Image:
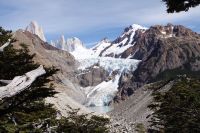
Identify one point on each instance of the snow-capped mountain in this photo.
(106, 55)
(100, 46)
(122, 43)
(34, 28)
(104, 48)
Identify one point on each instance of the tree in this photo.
(177, 110)
(82, 123)
(26, 110)
(180, 5)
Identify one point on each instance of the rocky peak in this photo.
(74, 44)
(105, 40)
(34, 28)
(70, 45)
(62, 42)
(171, 30)
(132, 29)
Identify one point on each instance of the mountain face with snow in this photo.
(113, 71)
(121, 44)
(164, 51)
(104, 55)
(35, 29)
(136, 57)
(104, 48)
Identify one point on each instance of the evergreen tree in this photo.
(177, 110)
(26, 110)
(180, 5)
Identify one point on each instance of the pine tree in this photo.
(27, 109)
(177, 110)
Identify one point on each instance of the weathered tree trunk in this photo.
(5, 45)
(21, 83)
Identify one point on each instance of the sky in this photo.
(91, 20)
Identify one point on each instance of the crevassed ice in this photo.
(103, 93)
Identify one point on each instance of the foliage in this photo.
(177, 110)
(180, 5)
(82, 123)
(139, 128)
(25, 110)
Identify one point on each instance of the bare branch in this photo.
(5, 45)
(21, 83)
(5, 81)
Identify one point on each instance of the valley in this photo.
(113, 78)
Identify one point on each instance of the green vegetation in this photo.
(27, 111)
(82, 123)
(180, 5)
(177, 110)
(139, 128)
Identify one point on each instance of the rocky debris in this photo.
(134, 110)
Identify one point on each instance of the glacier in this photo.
(110, 64)
(103, 93)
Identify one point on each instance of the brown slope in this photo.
(64, 80)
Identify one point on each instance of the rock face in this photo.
(92, 77)
(161, 48)
(34, 28)
(70, 45)
(165, 47)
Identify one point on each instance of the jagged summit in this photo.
(70, 45)
(74, 44)
(34, 28)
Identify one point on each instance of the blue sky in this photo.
(91, 20)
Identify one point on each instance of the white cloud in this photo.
(72, 16)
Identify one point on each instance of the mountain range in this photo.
(115, 73)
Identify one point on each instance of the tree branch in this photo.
(5, 45)
(5, 81)
(21, 83)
